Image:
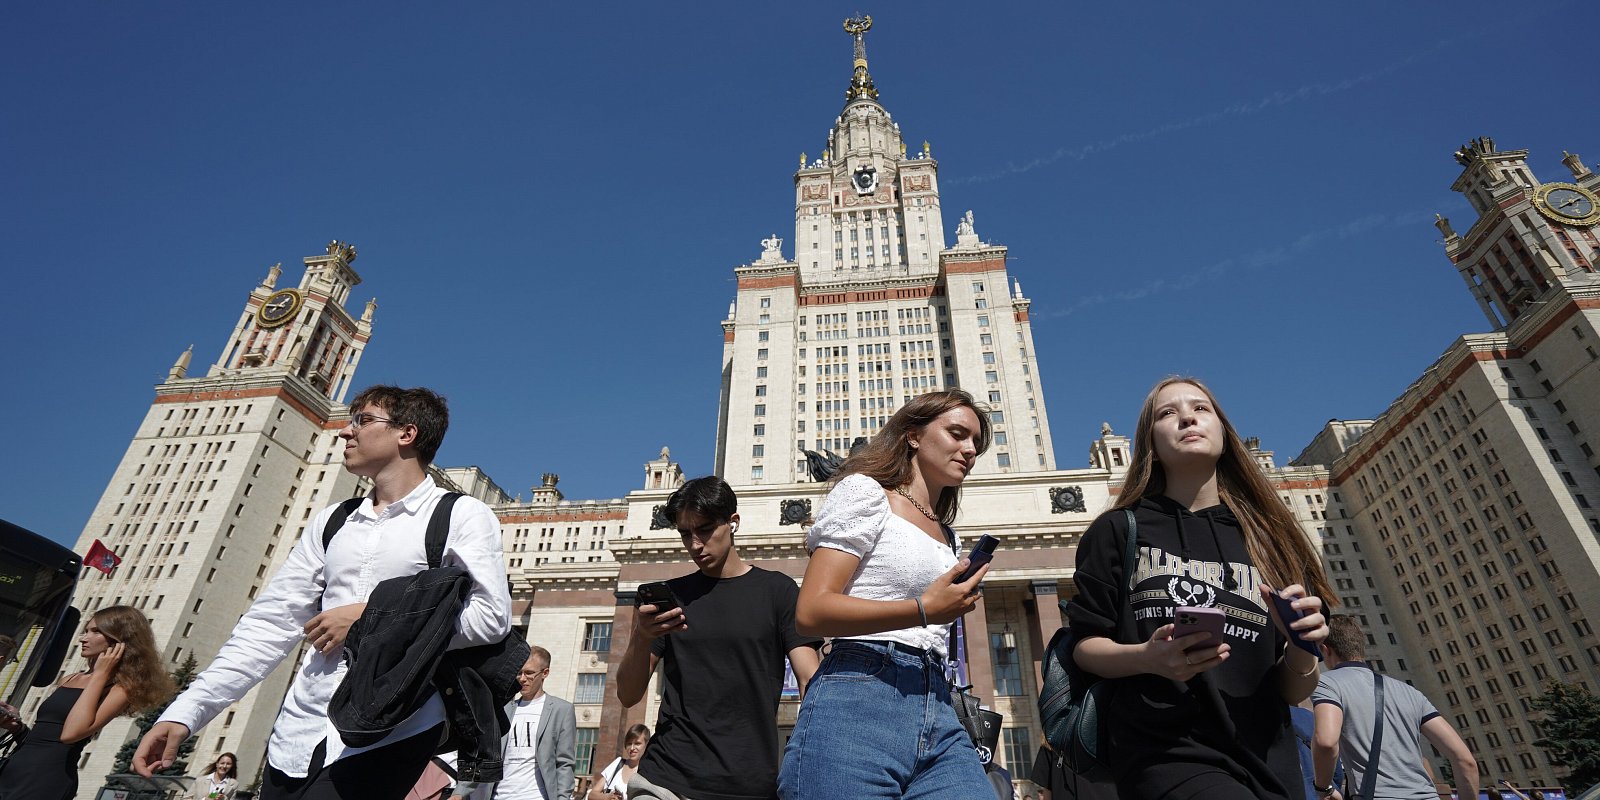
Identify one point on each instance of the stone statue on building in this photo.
(772, 248)
(964, 227)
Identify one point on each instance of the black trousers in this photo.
(386, 773)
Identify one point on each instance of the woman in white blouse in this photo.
(221, 780)
(876, 720)
(611, 783)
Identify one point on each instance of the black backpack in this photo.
(1071, 699)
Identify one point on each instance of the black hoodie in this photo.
(1232, 719)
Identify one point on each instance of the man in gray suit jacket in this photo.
(540, 744)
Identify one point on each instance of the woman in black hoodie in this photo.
(1210, 722)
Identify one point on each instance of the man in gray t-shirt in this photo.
(1344, 726)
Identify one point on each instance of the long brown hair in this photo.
(233, 770)
(1275, 541)
(886, 458)
(140, 673)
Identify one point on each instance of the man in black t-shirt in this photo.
(722, 652)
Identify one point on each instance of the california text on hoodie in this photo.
(1167, 738)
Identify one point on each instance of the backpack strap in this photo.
(337, 518)
(1130, 558)
(439, 528)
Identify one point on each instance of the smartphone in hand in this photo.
(982, 553)
(1290, 615)
(656, 593)
(1190, 620)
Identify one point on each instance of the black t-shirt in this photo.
(1232, 718)
(717, 735)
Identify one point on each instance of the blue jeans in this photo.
(877, 722)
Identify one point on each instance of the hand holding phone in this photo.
(1290, 615)
(982, 553)
(657, 594)
(1189, 620)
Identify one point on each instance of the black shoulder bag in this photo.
(981, 724)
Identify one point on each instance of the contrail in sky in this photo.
(1258, 259)
(1275, 100)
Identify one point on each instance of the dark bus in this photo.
(37, 620)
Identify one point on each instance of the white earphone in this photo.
(733, 527)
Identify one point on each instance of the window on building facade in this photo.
(758, 450)
(591, 688)
(756, 473)
(597, 637)
(585, 750)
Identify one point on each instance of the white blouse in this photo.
(898, 559)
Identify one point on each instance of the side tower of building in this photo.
(218, 482)
(821, 348)
(1475, 494)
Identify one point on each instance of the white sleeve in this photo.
(264, 636)
(851, 518)
(475, 545)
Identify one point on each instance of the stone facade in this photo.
(217, 484)
(1474, 494)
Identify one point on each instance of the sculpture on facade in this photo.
(771, 248)
(823, 465)
(964, 227)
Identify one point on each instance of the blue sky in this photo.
(549, 199)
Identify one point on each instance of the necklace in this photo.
(901, 490)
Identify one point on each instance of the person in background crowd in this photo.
(125, 676)
(611, 782)
(1186, 720)
(540, 744)
(1346, 718)
(883, 581)
(220, 781)
(1304, 726)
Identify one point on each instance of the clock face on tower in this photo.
(865, 180)
(279, 308)
(1567, 203)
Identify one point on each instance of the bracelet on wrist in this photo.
(1323, 791)
(922, 612)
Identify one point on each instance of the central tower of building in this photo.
(871, 310)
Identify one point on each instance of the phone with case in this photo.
(982, 553)
(1189, 620)
(1289, 615)
(657, 594)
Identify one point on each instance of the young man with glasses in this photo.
(541, 744)
(320, 591)
(723, 649)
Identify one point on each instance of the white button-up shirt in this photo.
(369, 549)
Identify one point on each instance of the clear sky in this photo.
(549, 200)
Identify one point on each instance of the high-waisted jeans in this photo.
(877, 723)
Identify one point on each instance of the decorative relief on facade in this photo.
(1066, 498)
(658, 518)
(795, 512)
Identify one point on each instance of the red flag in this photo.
(101, 558)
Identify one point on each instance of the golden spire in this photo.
(861, 86)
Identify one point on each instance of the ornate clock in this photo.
(865, 180)
(280, 307)
(1567, 203)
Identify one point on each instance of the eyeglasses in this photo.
(364, 419)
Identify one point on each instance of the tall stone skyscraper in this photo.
(1476, 496)
(219, 480)
(871, 310)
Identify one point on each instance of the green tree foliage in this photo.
(182, 676)
(1571, 728)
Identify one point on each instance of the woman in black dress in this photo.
(125, 676)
